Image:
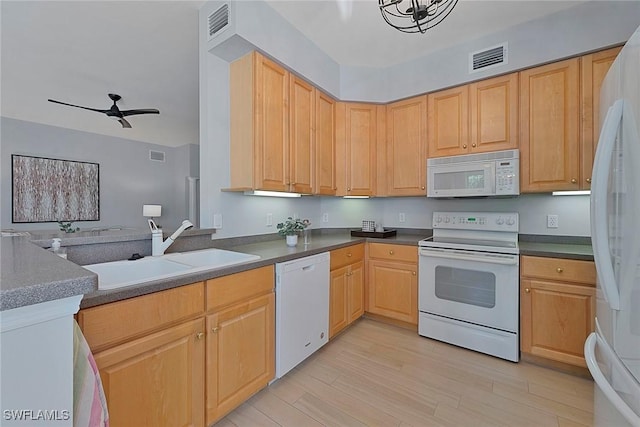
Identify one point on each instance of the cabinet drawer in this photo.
(558, 269)
(227, 290)
(348, 255)
(393, 252)
(109, 324)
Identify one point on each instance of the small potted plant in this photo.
(290, 229)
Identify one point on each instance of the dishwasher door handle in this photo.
(310, 267)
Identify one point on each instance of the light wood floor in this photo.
(376, 374)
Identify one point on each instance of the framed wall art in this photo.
(51, 190)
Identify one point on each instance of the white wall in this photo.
(583, 28)
(128, 179)
(573, 211)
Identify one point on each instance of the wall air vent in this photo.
(218, 21)
(488, 58)
(156, 156)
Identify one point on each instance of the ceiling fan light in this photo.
(419, 17)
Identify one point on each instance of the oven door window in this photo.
(472, 287)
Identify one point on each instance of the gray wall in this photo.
(128, 179)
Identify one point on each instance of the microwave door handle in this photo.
(465, 257)
(601, 380)
(599, 196)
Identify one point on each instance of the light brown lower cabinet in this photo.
(186, 356)
(240, 339)
(346, 288)
(157, 380)
(393, 282)
(150, 352)
(557, 308)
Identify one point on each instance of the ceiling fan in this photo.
(114, 112)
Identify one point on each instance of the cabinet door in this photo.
(356, 291)
(393, 290)
(594, 69)
(338, 304)
(448, 126)
(271, 118)
(406, 162)
(549, 124)
(240, 354)
(494, 114)
(301, 143)
(357, 136)
(156, 380)
(325, 152)
(555, 319)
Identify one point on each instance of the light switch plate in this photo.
(217, 221)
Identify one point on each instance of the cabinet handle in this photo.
(423, 187)
(199, 335)
(390, 252)
(413, 272)
(589, 180)
(573, 180)
(214, 330)
(473, 145)
(527, 290)
(349, 255)
(559, 270)
(464, 146)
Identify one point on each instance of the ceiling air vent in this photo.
(218, 21)
(488, 58)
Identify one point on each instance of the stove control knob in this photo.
(499, 221)
(439, 219)
(511, 221)
(447, 219)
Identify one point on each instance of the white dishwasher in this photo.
(302, 309)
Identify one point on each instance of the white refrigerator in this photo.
(613, 350)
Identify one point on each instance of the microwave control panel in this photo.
(507, 177)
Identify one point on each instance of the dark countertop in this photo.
(270, 252)
(568, 247)
(30, 274)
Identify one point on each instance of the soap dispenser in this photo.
(56, 249)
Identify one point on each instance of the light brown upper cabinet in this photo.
(302, 117)
(406, 147)
(325, 152)
(494, 114)
(474, 118)
(594, 69)
(448, 126)
(356, 141)
(550, 127)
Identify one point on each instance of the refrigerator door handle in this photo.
(599, 226)
(601, 380)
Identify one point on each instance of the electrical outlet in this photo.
(325, 217)
(269, 220)
(295, 215)
(217, 221)
(552, 221)
(401, 217)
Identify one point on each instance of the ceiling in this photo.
(147, 52)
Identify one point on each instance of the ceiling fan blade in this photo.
(78, 106)
(124, 123)
(141, 111)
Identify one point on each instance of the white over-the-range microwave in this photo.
(474, 175)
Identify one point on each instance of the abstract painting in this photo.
(51, 190)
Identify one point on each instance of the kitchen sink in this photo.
(118, 274)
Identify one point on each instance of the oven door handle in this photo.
(503, 260)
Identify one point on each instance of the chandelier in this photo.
(413, 16)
